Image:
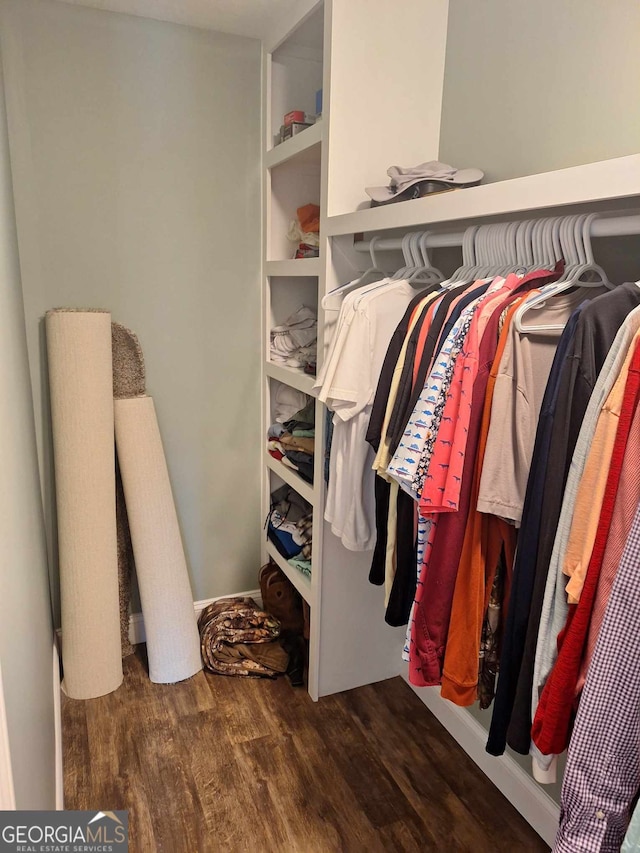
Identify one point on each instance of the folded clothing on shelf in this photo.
(289, 523)
(287, 402)
(293, 343)
(293, 443)
(305, 231)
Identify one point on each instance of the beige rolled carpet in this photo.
(128, 381)
(173, 644)
(79, 353)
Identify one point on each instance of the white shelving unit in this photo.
(292, 177)
(301, 582)
(292, 376)
(295, 267)
(292, 479)
(303, 148)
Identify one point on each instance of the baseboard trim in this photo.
(536, 807)
(137, 632)
(57, 721)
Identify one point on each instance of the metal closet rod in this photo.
(614, 226)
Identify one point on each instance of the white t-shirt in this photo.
(342, 306)
(348, 388)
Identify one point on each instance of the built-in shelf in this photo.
(297, 267)
(290, 477)
(618, 178)
(301, 582)
(305, 148)
(291, 376)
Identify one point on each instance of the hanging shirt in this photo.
(523, 573)
(412, 385)
(484, 539)
(597, 328)
(592, 486)
(377, 427)
(425, 416)
(517, 398)
(602, 776)
(431, 616)
(349, 388)
(613, 317)
(554, 609)
(551, 725)
(627, 500)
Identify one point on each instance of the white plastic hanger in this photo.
(465, 272)
(576, 245)
(408, 258)
(569, 250)
(374, 270)
(426, 273)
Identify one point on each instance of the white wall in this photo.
(26, 629)
(384, 92)
(136, 158)
(535, 86)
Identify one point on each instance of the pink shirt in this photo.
(441, 491)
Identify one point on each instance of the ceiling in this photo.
(254, 18)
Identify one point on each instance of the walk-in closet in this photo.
(319, 425)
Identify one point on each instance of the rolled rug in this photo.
(165, 592)
(126, 565)
(129, 380)
(237, 638)
(80, 380)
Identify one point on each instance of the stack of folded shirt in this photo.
(293, 441)
(289, 527)
(293, 344)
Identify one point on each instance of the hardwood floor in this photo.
(230, 764)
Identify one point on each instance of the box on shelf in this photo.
(296, 116)
(290, 130)
(319, 102)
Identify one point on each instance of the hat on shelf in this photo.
(432, 177)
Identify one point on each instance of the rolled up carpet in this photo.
(126, 565)
(129, 380)
(79, 354)
(237, 638)
(129, 375)
(165, 592)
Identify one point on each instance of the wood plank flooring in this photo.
(229, 764)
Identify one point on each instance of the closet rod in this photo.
(614, 226)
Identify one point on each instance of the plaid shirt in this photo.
(603, 770)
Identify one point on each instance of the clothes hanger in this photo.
(414, 254)
(411, 260)
(483, 269)
(509, 245)
(408, 259)
(580, 261)
(426, 273)
(569, 251)
(464, 272)
(374, 269)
